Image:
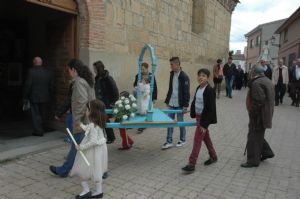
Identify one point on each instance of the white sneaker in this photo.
(167, 145)
(180, 143)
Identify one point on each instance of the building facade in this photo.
(113, 31)
(289, 42)
(239, 59)
(259, 44)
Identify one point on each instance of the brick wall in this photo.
(118, 29)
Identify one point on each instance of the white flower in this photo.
(120, 105)
(127, 107)
(125, 117)
(116, 111)
(131, 96)
(126, 101)
(133, 99)
(122, 98)
(132, 115)
(118, 102)
(134, 105)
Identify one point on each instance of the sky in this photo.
(250, 13)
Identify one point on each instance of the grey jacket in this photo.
(81, 95)
(262, 98)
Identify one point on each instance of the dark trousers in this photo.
(257, 146)
(110, 135)
(295, 92)
(198, 138)
(280, 90)
(38, 114)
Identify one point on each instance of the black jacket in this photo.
(154, 96)
(229, 71)
(293, 75)
(183, 89)
(268, 72)
(39, 85)
(209, 113)
(106, 89)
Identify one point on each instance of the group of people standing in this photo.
(88, 97)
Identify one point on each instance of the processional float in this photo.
(155, 117)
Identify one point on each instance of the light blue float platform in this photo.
(160, 119)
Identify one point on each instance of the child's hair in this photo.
(204, 71)
(124, 94)
(145, 65)
(97, 113)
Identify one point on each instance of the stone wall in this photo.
(124, 26)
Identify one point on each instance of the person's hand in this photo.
(184, 110)
(77, 147)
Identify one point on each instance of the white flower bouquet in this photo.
(125, 108)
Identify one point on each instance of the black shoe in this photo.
(210, 161)
(276, 103)
(266, 157)
(188, 168)
(293, 104)
(87, 195)
(281, 101)
(110, 141)
(105, 175)
(53, 170)
(140, 130)
(97, 196)
(38, 134)
(248, 165)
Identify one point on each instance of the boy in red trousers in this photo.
(203, 108)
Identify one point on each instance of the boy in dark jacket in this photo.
(204, 109)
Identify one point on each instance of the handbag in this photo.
(26, 105)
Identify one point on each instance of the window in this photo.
(257, 43)
(285, 35)
(266, 42)
(251, 43)
(283, 59)
(198, 16)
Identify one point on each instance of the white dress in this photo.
(143, 98)
(94, 148)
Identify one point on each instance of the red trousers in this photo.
(126, 140)
(198, 138)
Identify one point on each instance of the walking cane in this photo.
(75, 143)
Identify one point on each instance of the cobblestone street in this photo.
(148, 172)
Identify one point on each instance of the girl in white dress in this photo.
(94, 147)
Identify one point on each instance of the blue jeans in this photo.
(182, 129)
(68, 164)
(69, 124)
(229, 82)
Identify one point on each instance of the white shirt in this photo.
(174, 97)
(265, 67)
(199, 100)
(297, 72)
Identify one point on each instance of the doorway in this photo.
(28, 30)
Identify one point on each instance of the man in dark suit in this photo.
(38, 89)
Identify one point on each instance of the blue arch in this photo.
(153, 60)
